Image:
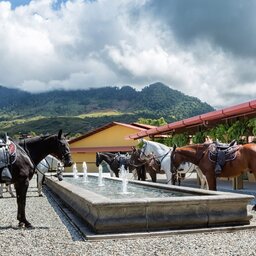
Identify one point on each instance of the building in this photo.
(108, 138)
(193, 124)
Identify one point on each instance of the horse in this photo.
(29, 152)
(199, 154)
(186, 168)
(147, 165)
(8, 189)
(115, 161)
(163, 155)
(49, 163)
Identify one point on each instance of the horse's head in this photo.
(98, 160)
(144, 152)
(190, 153)
(62, 151)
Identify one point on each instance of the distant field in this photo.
(99, 114)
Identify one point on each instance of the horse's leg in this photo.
(138, 169)
(168, 177)
(39, 183)
(152, 174)
(110, 171)
(211, 180)
(203, 180)
(21, 187)
(1, 190)
(143, 173)
(135, 174)
(174, 177)
(179, 178)
(9, 188)
(254, 207)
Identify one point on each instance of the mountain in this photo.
(83, 110)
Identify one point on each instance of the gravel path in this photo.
(54, 235)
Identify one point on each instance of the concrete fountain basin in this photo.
(196, 209)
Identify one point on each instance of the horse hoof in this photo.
(21, 225)
(29, 226)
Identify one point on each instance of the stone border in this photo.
(206, 209)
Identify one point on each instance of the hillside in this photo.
(83, 110)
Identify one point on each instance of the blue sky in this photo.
(203, 48)
(16, 3)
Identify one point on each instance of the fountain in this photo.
(100, 178)
(75, 172)
(85, 175)
(136, 212)
(124, 179)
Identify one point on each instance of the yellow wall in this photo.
(109, 137)
(113, 136)
(89, 158)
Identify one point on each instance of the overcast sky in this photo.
(203, 48)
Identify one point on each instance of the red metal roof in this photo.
(246, 108)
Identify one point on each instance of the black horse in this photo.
(29, 152)
(114, 160)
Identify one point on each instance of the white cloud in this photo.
(85, 44)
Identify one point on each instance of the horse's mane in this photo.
(31, 140)
(162, 146)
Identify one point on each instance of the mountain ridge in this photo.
(153, 101)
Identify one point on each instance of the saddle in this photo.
(7, 157)
(220, 153)
(121, 159)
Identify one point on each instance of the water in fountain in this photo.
(124, 179)
(113, 188)
(75, 171)
(85, 172)
(100, 178)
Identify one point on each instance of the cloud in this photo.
(203, 48)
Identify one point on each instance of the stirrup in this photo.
(217, 169)
(6, 175)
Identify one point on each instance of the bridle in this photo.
(63, 150)
(160, 157)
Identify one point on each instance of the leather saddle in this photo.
(220, 153)
(7, 157)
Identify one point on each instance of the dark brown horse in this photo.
(29, 152)
(198, 154)
(147, 165)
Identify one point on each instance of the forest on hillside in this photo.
(80, 111)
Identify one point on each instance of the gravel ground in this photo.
(54, 235)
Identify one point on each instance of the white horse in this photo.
(50, 163)
(8, 189)
(163, 154)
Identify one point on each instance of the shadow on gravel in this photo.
(57, 206)
(16, 228)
